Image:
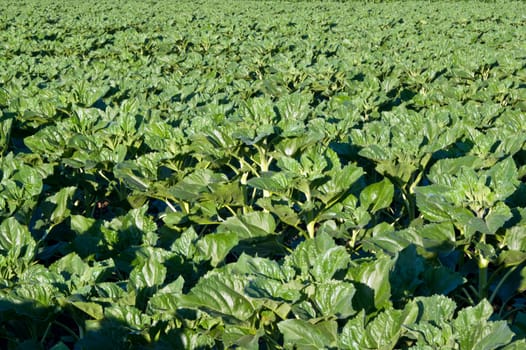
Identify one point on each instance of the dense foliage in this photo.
(262, 175)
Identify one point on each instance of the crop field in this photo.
(262, 175)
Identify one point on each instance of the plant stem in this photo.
(501, 282)
(45, 333)
(483, 272)
(310, 228)
(67, 329)
(483, 278)
(409, 204)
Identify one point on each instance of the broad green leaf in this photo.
(5, 132)
(216, 246)
(474, 331)
(185, 245)
(16, 241)
(353, 332)
(59, 346)
(319, 257)
(334, 298)
(251, 225)
(61, 200)
(441, 170)
(243, 337)
(71, 264)
(94, 310)
(377, 196)
(440, 280)
(132, 176)
(325, 266)
(406, 274)
(164, 301)
(186, 338)
(429, 336)
(371, 279)
(299, 334)
(384, 331)
(497, 217)
(504, 178)
(128, 315)
(221, 194)
(192, 186)
(284, 212)
(304, 310)
(437, 237)
(247, 264)
(109, 290)
(339, 183)
(267, 288)
(149, 274)
(432, 203)
(511, 257)
(272, 182)
(220, 295)
(31, 297)
(515, 238)
(517, 344)
(435, 308)
(81, 224)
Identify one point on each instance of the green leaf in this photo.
(518, 344)
(61, 199)
(334, 298)
(272, 182)
(339, 183)
(243, 337)
(148, 274)
(216, 246)
(220, 295)
(71, 264)
(93, 310)
(284, 212)
(515, 238)
(325, 266)
(247, 264)
(186, 244)
(377, 196)
(128, 315)
(475, 332)
(432, 203)
(384, 331)
(81, 224)
(319, 257)
(353, 332)
(59, 346)
(165, 300)
(194, 185)
(16, 240)
(435, 308)
(504, 178)
(132, 176)
(511, 258)
(497, 217)
(261, 287)
(429, 336)
(405, 276)
(251, 225)
(437, 237)
(299, 334)
(441, 280)
(373, 290)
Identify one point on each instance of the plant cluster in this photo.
(271, 175)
